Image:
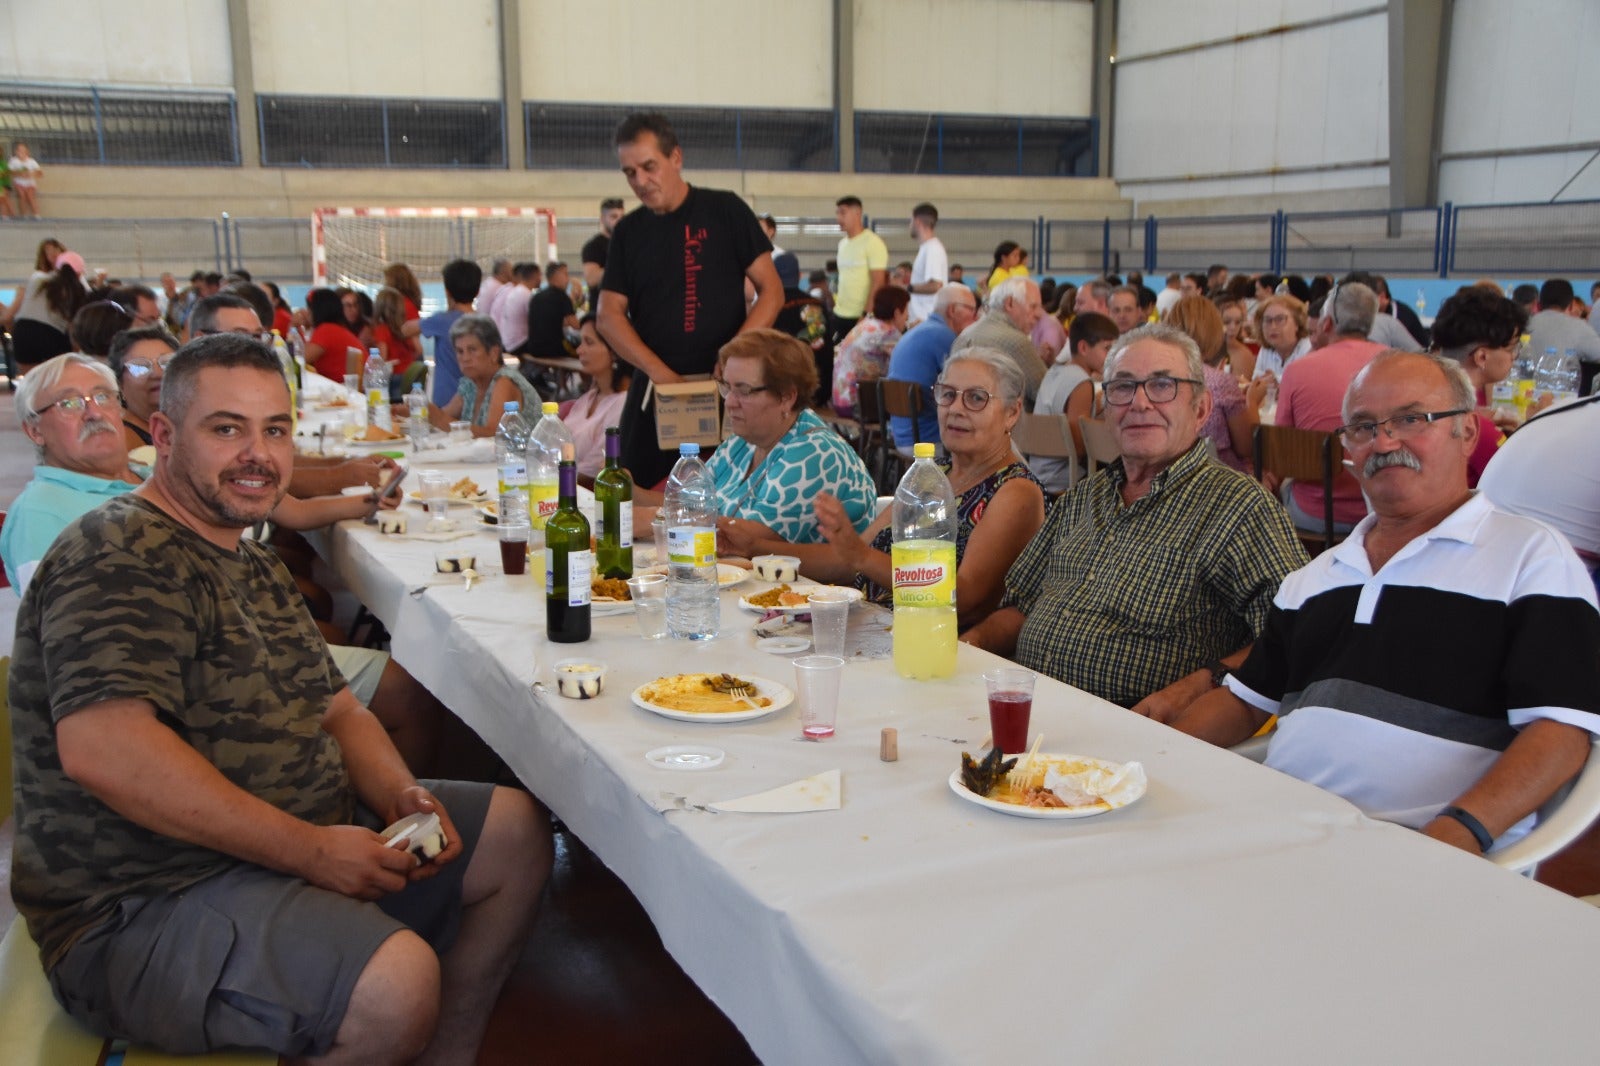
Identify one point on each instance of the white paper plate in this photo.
(685, 757)
(782, 645)
(454, 501)
(780, 696)
(728, 575)
(1124, 798)
(799, 608)
(600, 608)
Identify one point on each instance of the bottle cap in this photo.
(688, 448)
(550, 407)
(513, 407)
(923, 450)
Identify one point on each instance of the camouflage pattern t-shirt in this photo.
(128, 604)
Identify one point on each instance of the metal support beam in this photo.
(244, 83)
(511, 84)
(844, 81)
(1102, 90)
(1417, 32)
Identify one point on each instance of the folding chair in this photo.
(1304, 455)
(1099, 446)
(1047, 437)
(897, 399)
(874, 432)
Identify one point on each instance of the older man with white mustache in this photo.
(1438, 668)
(70, 410)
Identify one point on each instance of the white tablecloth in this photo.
(1232, 913)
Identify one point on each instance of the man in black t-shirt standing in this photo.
(673, 291)
(593, 256)
(550, 311)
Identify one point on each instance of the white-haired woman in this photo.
(999, 504)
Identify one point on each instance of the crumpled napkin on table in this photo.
(819, 792)
(1098, 784)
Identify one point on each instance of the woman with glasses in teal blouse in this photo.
(779, 456)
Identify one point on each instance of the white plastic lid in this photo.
(923, 450)
(686, 757)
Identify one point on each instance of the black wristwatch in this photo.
(1219, 670)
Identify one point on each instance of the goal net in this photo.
(352, 245)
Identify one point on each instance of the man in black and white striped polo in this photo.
(1441, 667)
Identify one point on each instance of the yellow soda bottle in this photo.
(544, 463)
(1522, 371)
(924, 567)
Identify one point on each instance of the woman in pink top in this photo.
(1481, 330)
(587, 417)
(1235, 412)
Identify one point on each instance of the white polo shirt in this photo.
(1398, 690)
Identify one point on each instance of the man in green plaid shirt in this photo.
(1151, 578)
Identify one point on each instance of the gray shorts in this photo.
(251, 958)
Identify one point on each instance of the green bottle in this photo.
(568, 562)
(613, 496)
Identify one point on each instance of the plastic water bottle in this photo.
(511, 451)
(693, 611)
(1558, 375)
(924, 567)
(417, 416)
(544, 464)
(1549, 375)
(376, 383)
(286, 360)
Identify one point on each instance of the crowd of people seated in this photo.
(1172, 581)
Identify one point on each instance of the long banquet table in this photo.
(1232, 913)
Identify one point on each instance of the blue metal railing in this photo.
(1442, 241)
(1497, 240)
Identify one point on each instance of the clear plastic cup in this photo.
(1010, 706)
(436, 497)
(461, 433)
(816, 680)
(830, 618)
(515, 532)
(649, 595)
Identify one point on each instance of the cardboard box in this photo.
(688, 411)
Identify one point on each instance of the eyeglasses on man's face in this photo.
(71, 405)
(139, 366)
(1162, 388)
(1400, 427)
(971, 399)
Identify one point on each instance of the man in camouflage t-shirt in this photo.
(198, 787)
